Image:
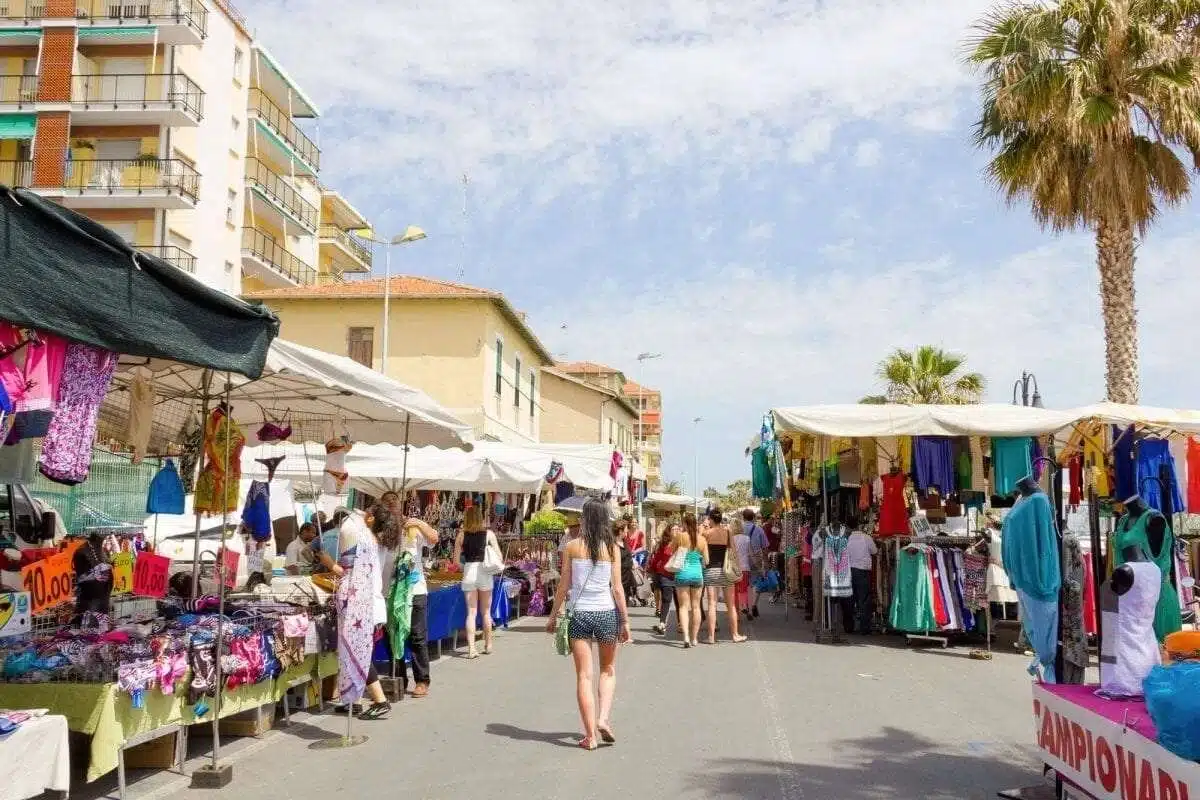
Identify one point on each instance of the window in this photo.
(229, 266)
(230, 205)
(499, 366)
(360, 345)
(517, 382)
(238, 58)
(532, 389)
(237, 123)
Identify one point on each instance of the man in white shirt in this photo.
(859, 550)
(298, 557)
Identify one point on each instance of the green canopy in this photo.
(65, 274)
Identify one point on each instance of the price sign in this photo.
(122, 565)
(50, 582)
(150, 575)
(229, 565)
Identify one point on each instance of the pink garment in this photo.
(618, 461)
(67, 452)
(1089, 597)
(31, 376)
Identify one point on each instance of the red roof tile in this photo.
(585, 368)
(633, 389)
(401, 285)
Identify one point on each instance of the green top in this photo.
(1134, 533)
(912, 602)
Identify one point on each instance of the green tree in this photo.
(927, 375)
(736, 495)
(672, 487)
(1088, 106)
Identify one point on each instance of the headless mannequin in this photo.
(1122, 577)
(1156, 526)
(1028, 486)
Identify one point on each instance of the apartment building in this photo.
(165, 121)
(575, 411)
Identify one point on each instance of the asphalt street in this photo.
(776, 717)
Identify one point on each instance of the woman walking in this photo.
(741, 546)
(469, 549)
(592, 565)
(689, 580)
(666, 580)
(716, 585)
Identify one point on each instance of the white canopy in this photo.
(320, 393)
(679, 500)
(489, 466)
(862, 420)
(1170, 419)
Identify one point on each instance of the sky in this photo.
(772, 195)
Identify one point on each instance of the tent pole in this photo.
(403, 505)
(205, 385)
(219, 571)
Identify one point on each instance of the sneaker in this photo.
(421, 690)
(376, 711)
(660, 629)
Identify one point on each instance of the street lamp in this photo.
(1022, 387)
(411, 234)
(696, 461)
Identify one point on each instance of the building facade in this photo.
(166, 122)
(466, 347)
(575, 411)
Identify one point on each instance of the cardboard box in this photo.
(156, 754)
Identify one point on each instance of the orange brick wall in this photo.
(58, 58)
(60, 8)
(50, 148)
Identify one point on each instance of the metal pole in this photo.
(387, 297)
(219, 570)
(403, 505)
(205, 385)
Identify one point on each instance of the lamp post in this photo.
(411, 234)
(642, 359)
(1021, 387)
(696, 462)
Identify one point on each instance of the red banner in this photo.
(150, 575)
(50, 582)
(229, 565)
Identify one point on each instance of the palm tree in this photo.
(927, 375)
(1088, 105)
(672, 487)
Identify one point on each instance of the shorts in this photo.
(476, 578)
(714, 577)
(594, 626)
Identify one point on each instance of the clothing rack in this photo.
(953, 542)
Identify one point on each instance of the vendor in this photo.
(299, 555)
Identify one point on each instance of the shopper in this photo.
(635, 538)
(759, 547)
(666, 580)
(469, 549)
(298, 556)
(689, 580)
(360, 608)
(621, 536)
(859, 550)
(741, 546)
(716, 585)
(592, 568)
(410, 536)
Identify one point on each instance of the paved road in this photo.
(777, 717)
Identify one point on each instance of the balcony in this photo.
(18, 92)
(350, 254)
(278, 123)
(146, 182)
(171, 99)
(266, 259)
(183, 22)
(18, 174)
(175, 256)
(279, 193)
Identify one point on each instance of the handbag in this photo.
(731, 569)
(562, 633)
(678, 559)
(953, 506)
(493, 559)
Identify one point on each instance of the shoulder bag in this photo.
(678, 559)
(731, 569)
(562, 633)
(493, 559)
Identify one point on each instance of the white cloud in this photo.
(498, 86)
(868, 152)
(738, 339)
(761, 231)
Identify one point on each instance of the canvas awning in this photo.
(318, 393)
(1168, 420)
(17, 126)
(860, 420)
(67, 275)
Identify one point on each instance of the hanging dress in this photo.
(893, 515)
(1134, 533)
(360, 607)
(1012, 460)
(912, 602)
(216, 491)
(67, 450)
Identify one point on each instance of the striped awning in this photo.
(17, 126)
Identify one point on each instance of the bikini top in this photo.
(274, 432)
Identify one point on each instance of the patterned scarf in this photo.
(356, 619)
(400, 604)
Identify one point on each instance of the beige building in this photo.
(581, 412)
(468, 348)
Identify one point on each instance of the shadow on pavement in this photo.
(523, 735)
(895, 764)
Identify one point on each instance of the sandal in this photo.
(606, 734)
(740, 639)
(472, 654)
(376, 711)
(588, 743)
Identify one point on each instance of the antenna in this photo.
(462, 234)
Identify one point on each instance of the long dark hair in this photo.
(596, 528)
(385, 526)
(689, 525)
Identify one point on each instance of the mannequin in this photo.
(1031, 554)
(94, 579)
(1129, 648)
(1145, 531)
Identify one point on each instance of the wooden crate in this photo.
(255, 722)
(156, 754)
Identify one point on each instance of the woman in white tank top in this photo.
(592, 578)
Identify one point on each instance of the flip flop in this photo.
(740, 639)
(606, 734)
(588, 744)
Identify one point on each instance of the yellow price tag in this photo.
(122, 567)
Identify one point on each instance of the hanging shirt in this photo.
(762, 481)
(1011, 461)
(1030, 548)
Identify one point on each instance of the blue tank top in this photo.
(693, 568)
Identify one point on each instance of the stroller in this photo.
(634, 580)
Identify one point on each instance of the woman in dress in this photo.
(592, 571)
(716, 585)
(689, 579)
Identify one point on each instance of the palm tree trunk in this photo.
(1115, 257)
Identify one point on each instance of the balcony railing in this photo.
(279, 121)
(16, 173)
(100, 12)
(137, 175)
(18, 90)
(352, 243)
(173, 255)
(274, 186)
(263, 247)
(153, 90)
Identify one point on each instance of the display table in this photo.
(35, 758)
(447, 610)
(1107, 748)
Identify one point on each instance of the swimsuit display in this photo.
(216, 490)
